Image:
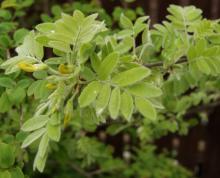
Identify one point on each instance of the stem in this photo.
(80, 170)
(159, 64)
(21, 116)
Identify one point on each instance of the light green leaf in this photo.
(203, 65)
(145, 107)
(95, 62)
(60, 46)
(30, 47)
(145, 90)
(89, 94)
(131, 76)
(73, 30)
(127, 105)
(114, 103)
(103, 98)
(40, 162)
(32, 137)
(35, 123)
(45, 27)
(54, 132)
(125, 45)
(125, 22)
(85, 51)
(108, 65)
(42, 150)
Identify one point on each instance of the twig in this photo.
(159, 64)
(80, 171)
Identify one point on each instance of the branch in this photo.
(159, 64)
(80, 171)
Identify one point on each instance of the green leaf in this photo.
(16, 95)
(127, 105)
(24, 83)
(103, 98)
(32, 137)
(60, 46)
(125, 22)
(35, 123)
(40, 74)
(114, 103)
(85, 51)
(7, 82)
(108, 65)
(5, 174)
(5, 14)
(89, 94)
(19, 35)
(45, 27)
(16, 173)
(203, 65)
(38, 88)
(131, 76)
(30, 47)
(125, 45)
(145, 108)
(39, 162)
(95, 62)
(145, 90)
(5, 103)
(8, 4)
(7, 156)
(73, 30)
(54, 132)
(181, 17)
(42, 150)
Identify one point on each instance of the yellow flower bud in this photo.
(68, 112)
(51, 86)
(66, 121)
(27, 67)
(65, 69)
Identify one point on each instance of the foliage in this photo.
(73, 75)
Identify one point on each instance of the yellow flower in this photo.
(51, 86)
(27, 67)
(68, 112)
(65, 69)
